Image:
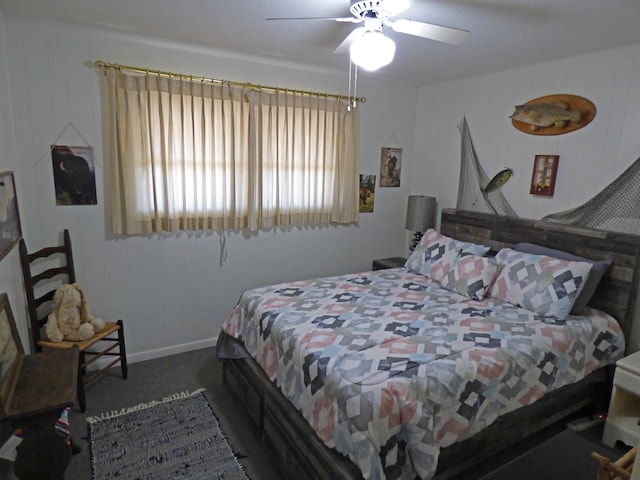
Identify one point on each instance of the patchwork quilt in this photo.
(388, 367)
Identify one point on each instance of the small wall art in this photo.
(543, 178)
(74, 175)
(390, 163)
(10, 230)
(367, 192)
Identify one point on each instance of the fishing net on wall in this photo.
(473, 179)
(616, 208)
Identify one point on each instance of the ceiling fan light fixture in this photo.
(372, 50)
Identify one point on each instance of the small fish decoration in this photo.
(498, 180)
(543, 115)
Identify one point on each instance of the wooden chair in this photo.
(621, 469)
(54, 267)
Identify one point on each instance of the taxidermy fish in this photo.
(498, 180)
(546, 115)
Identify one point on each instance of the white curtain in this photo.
(192, 155)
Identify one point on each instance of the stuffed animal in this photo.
(71, 319)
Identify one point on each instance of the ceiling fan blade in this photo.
(453, 36)
(338, 19)
(391, 8)
(346, 43)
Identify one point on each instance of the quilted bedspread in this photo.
(388, 367)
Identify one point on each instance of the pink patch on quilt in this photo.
(531, 395)
(405, 316)
(338, 308)
(401, 346)
(392, 399)
(351, 287)
(411, 296)
(477, 325)
(232, 325)
(560, 341)
(277, 302)
(323, 418)
(316, 340)
(490, 364)
(269, 359)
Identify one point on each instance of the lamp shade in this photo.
(372, 50)
(421, 213)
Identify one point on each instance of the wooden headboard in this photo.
(616, 293)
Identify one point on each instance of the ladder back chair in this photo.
(44, 271)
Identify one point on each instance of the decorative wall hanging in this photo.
(10, 229)
(543, 178)
(390, 161)
(367, 192)
(553, 114)
(74, 175)
(473, 180)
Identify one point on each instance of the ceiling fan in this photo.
(368, 46)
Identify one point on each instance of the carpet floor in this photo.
(155, 379)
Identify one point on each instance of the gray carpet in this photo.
(155, 379)
(566, 456)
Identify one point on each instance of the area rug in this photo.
(176, 438)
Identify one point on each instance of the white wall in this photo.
(590, 158)
(10, 273)
(171, 290)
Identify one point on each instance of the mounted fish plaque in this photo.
(553, 114)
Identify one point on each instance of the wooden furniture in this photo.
(392, 262)
(35, 389)
(621, 469)
(624, 407)
(44, 271)
(301, 455)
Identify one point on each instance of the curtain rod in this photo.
(104, 65)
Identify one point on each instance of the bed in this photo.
(448, 384)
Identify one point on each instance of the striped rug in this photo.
(176, 438)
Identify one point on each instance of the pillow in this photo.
(598, 269)
(466, 274)
(546, 285)
(432, 248)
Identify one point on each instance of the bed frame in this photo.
(298, 452)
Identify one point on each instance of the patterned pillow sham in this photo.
(546, 285)
(598, 269)
(466, 274)
(432, 248)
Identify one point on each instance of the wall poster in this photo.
(390, 163)
(74, 175)
(367, 192)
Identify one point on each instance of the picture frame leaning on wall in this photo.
(10, 229)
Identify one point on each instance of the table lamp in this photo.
(421, 213)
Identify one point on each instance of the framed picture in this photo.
(10, 230)
(367, 192)
(543, 178)
(74, 175)
(11, 353)
(390, 163)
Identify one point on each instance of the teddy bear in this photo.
(71, 319)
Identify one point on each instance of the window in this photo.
(193, 155)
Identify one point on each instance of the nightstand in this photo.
(385, 263)
(624, 408)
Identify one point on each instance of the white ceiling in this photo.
(504, 33)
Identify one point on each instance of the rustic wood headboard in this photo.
(618, 289)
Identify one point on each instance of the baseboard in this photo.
(160, 352)
(171, 350)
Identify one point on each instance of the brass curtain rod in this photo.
(104, 65)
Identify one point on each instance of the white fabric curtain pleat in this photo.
(192, 155)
